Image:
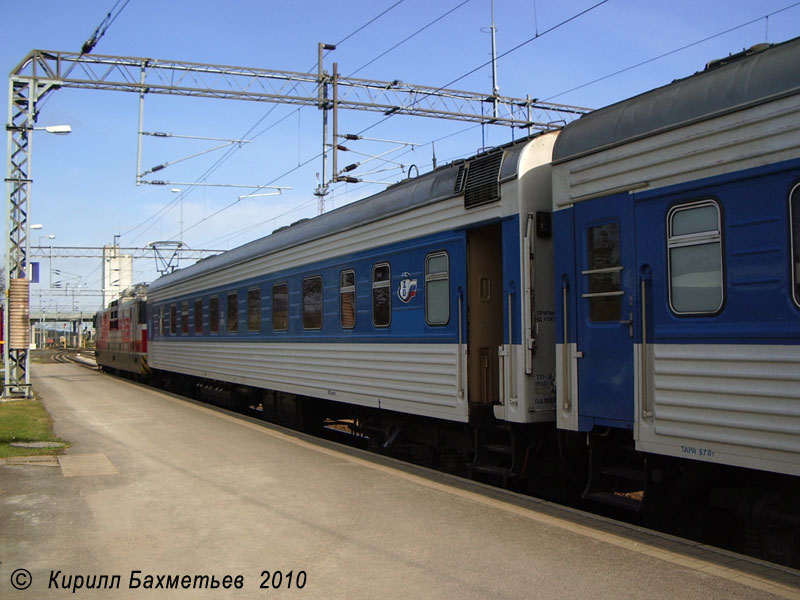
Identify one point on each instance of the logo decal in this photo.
(407, 288)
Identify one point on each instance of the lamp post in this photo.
(16, 317)
(50, 237)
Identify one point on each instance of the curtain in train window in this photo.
(185, 317)
(233, 312)
(254, 309)
(312, 303)
(794, 213)
(173, 319)
(604, 273)
(381, 295)
(437, 289)
(280, 307)
(198, 316)
(213, 314)
(695, 258)
(347, 299)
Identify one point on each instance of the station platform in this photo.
(157, 489)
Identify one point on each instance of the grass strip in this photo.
(26, 421)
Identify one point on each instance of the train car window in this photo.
(604, 272)
(233, 312)
(280, 307)
(312, 303)
(381, 295)
(213, 314)
(142, 314)
(198, 316)
(347, 299)
(254, 309)
(794, 217)
(161, 321)
(185, 317)
(695, 258)
(173, 319)
(437, 289)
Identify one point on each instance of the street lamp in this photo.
(55, 129)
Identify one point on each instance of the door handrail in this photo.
(647, 410)
(460, 367)
(565, 358)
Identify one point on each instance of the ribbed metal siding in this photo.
(755, 137)
(744, 399)
(414, 378)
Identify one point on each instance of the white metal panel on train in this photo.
(421, 379)
(567, 397)
(731, 404)
(758, 136)
(527, 370)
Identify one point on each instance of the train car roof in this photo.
(428, 188)
(754, 76)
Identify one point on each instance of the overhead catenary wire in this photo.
(489, 62)
(370, 22)
(409, 37)
(112, 15)
(675, 51)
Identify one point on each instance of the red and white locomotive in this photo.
(122, 333)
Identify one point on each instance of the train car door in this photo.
(606, 307)
(484, 312)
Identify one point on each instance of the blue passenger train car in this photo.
(430, 299)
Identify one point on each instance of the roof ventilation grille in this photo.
(482, 185)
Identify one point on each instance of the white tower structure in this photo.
(117, 273)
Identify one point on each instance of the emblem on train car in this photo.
(407, 288)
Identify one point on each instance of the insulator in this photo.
(352, 136)
(349, 168)
(349, 180)
(342, 148)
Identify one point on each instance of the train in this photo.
(608, 312)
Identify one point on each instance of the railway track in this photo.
(84, 358)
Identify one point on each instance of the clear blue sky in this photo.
(85, 193)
